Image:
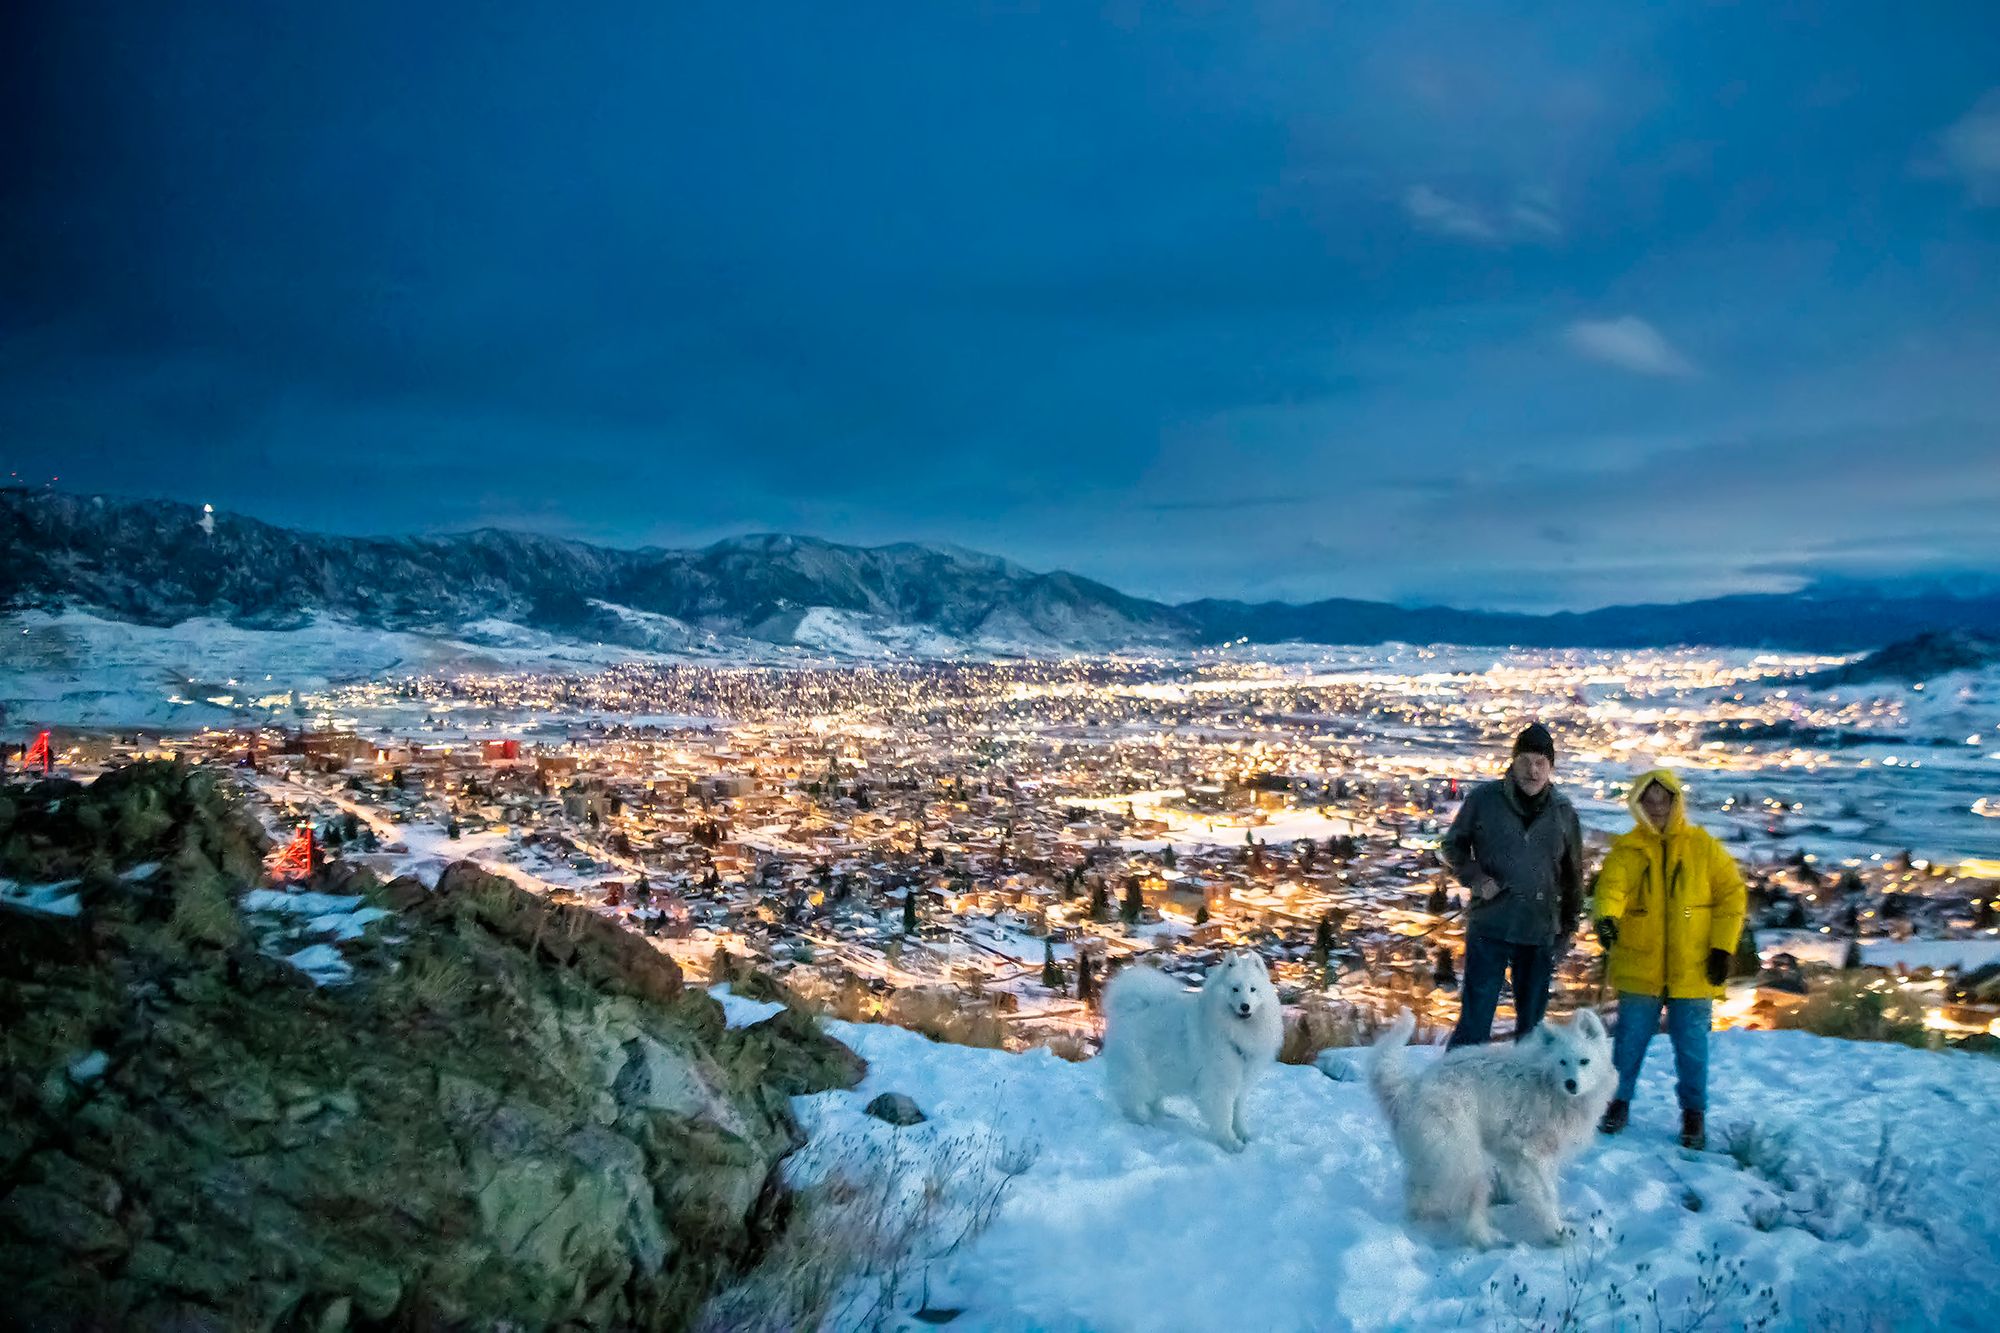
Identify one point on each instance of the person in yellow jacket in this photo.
(1669, 911)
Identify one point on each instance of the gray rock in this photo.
(896, 1109)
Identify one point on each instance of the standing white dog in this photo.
(1511, 1112)
(1163, 1040)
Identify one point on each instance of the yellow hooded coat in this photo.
(1675, 895)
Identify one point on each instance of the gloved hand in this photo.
(1607, 931)
(1718, 966)
(1485, 889)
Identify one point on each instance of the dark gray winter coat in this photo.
(1536, 862)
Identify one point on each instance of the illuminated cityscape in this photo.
(982, 833)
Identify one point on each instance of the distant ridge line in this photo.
(161, 562)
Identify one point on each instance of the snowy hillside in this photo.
(77, 669)
(162, 563)
(1112, 1226)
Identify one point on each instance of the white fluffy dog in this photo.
(1509, 1112)
(1163, 1040)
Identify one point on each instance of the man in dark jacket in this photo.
(1517, 848)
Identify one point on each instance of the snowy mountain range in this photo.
(159, 563)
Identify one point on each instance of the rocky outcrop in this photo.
(513, 1113)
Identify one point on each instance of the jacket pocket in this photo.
(1639, 927)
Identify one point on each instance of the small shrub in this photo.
(1830, 1201)
(1860, 1009)
(1595, 1294)
(1762, 1151)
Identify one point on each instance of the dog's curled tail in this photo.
(1140, 988)
(1387, 1075)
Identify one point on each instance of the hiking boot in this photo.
(1694, 1133)
(1615, 1116)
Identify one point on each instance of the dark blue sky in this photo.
(1503, 305)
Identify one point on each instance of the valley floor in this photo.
(1120, 1227)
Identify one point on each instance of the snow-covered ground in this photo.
(1967, 955)
(77, 669)
(58, 899)
(1121, 1227)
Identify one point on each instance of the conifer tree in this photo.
(1052, 975)
(910, 910)
(1201, 914)
(1134, 904)
(1100, 901)
(1086, 982)
(1747, 962)
(1444, 975)
(1323, 941)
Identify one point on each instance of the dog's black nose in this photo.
(1570, 1084)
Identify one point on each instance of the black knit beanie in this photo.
(1535, 739)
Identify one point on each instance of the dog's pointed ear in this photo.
(1588, 1023)
(1546, 1033)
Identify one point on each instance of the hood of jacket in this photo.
(1676, 817)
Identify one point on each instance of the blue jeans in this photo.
(1687, 1028)
(1488, 962)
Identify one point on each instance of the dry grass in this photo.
(204, 914)
(834, 994)
(1068, 1046)
(1319, 1024)
(430, 982)
(857, 1248)
(1860, 1009)
(944, 1015)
